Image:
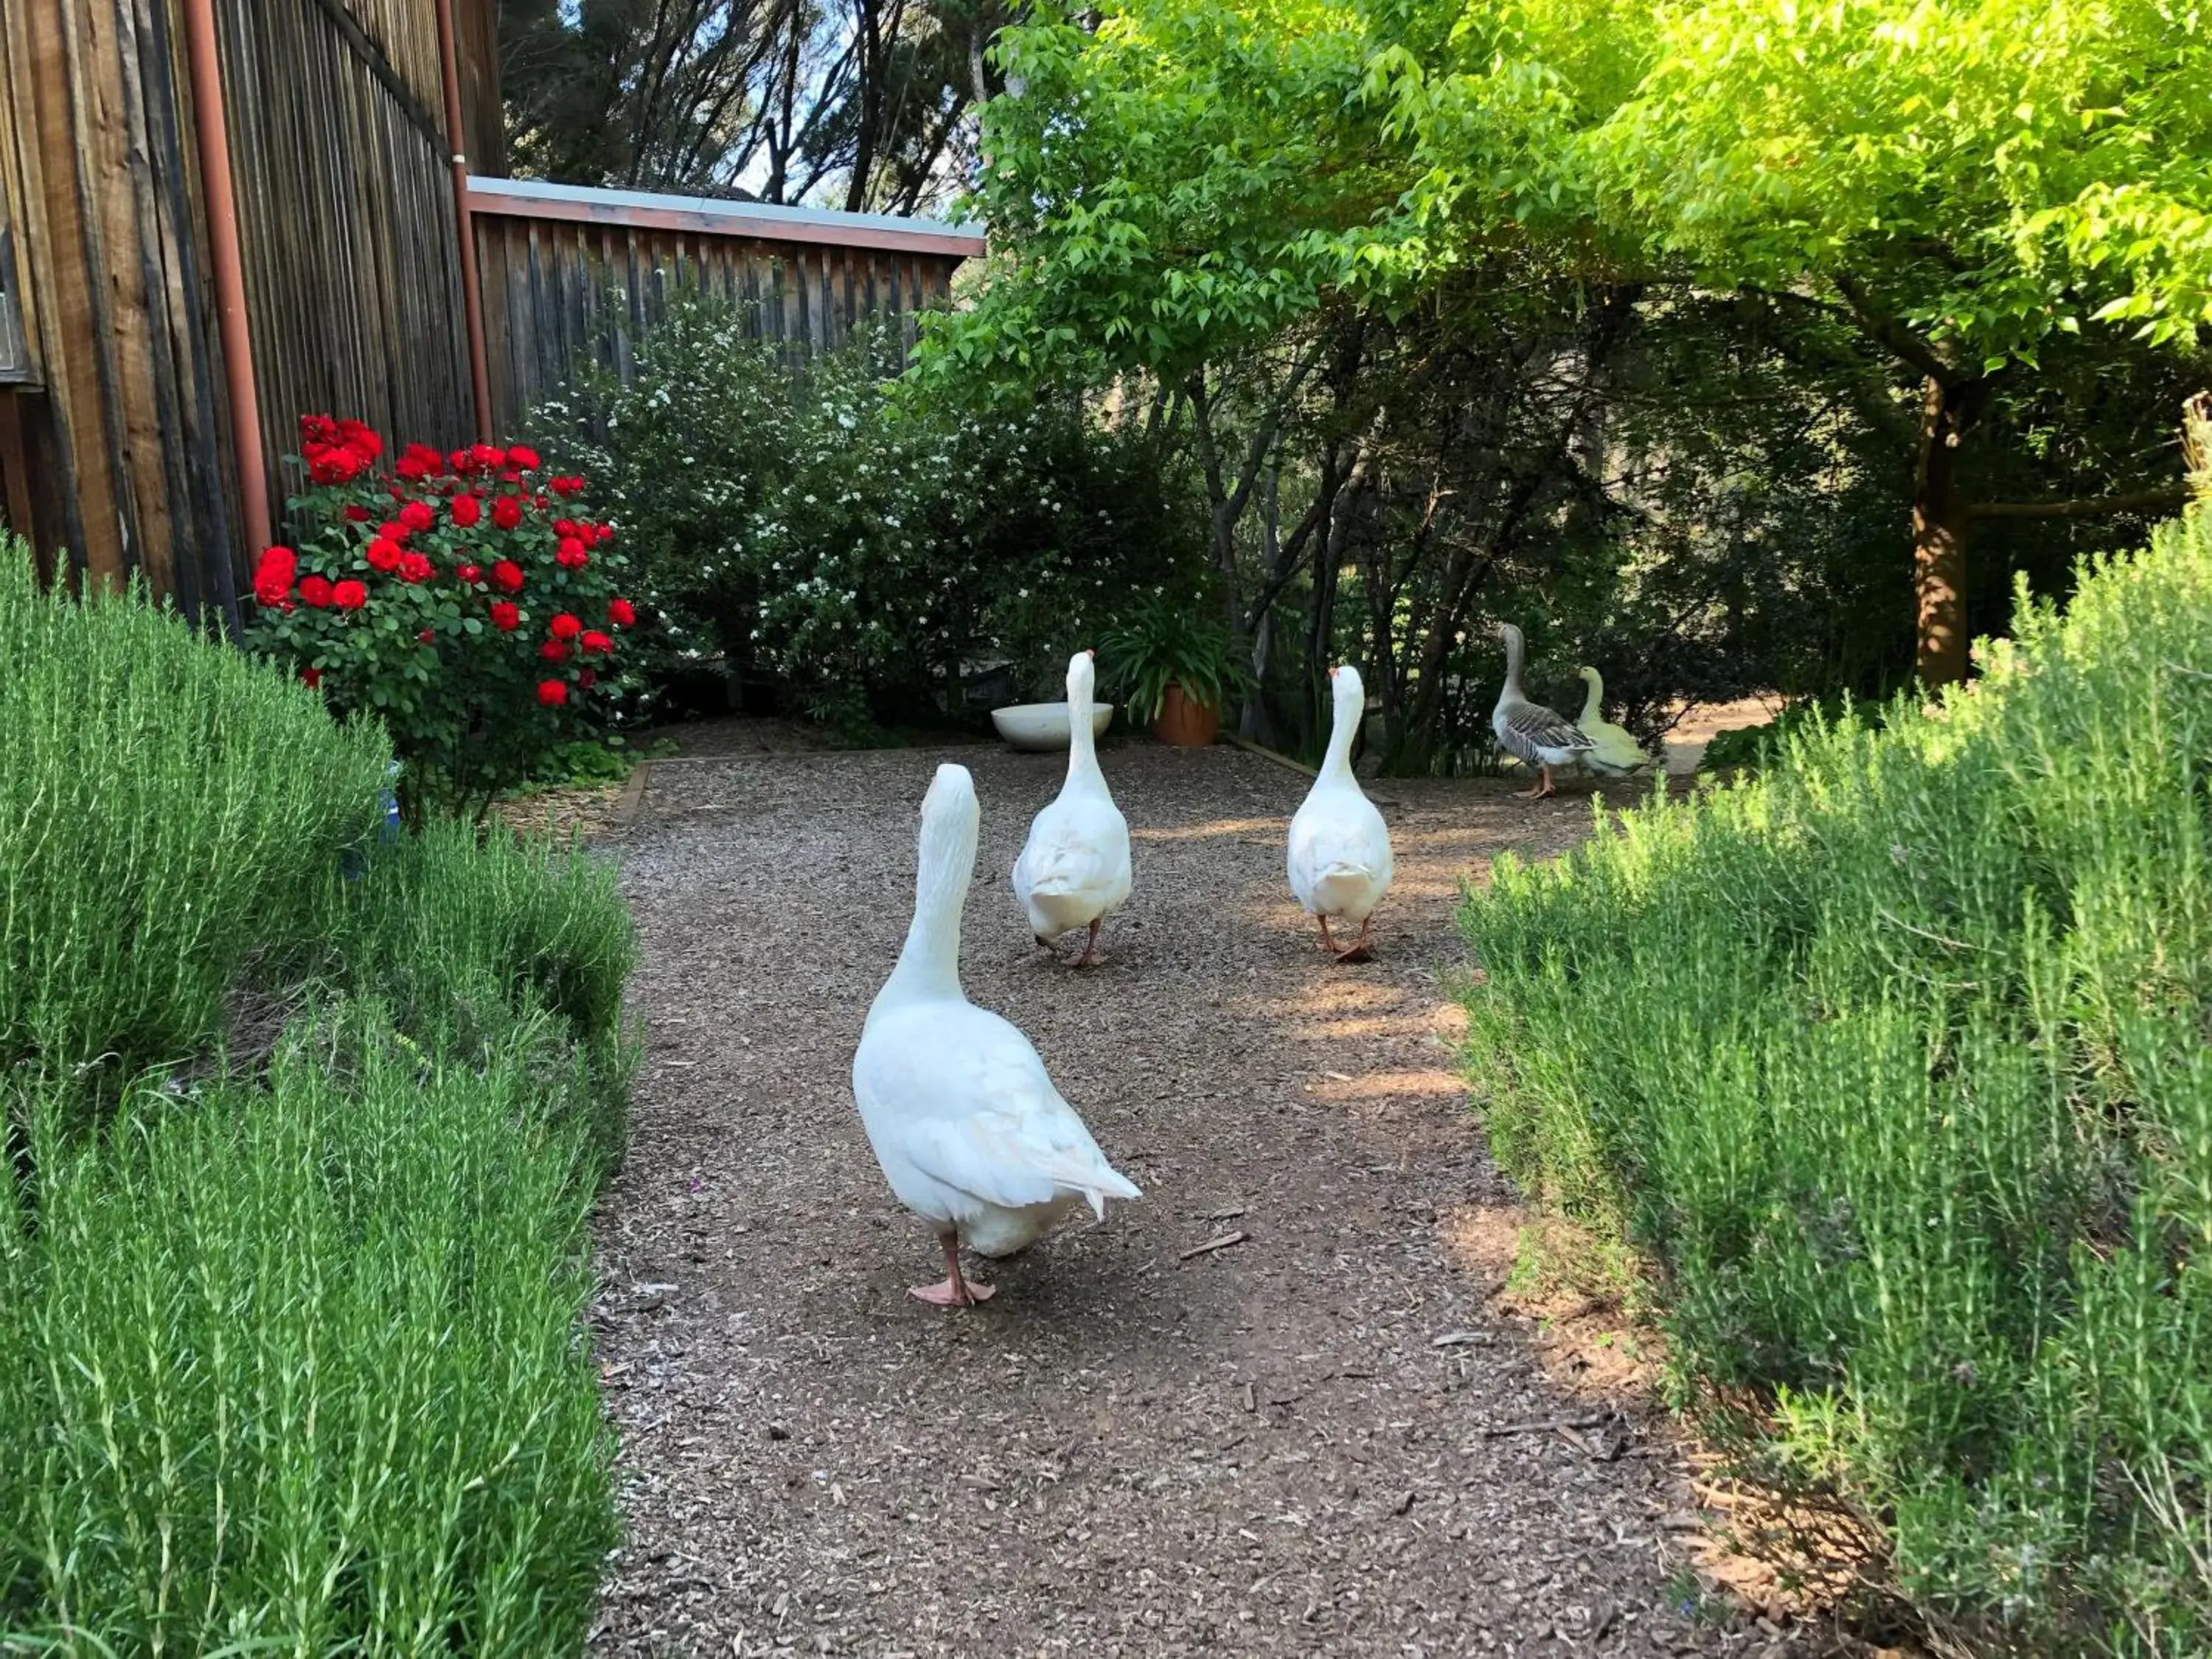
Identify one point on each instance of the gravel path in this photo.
(1277, 1446)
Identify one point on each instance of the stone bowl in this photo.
(1039, 727)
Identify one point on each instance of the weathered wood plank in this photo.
(14, 467)
(595, 287)
(347, 235)
(80, 382)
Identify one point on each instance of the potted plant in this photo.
(1175, 668)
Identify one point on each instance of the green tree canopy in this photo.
(1175, 184)
(2000, 167)
(1188, 169)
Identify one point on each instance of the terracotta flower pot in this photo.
(1185, 723)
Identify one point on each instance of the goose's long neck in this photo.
(929, 966)
(1512, 691)
(1082, 742)
(1344, 725)
(1594, 703)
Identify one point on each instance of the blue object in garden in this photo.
(352, 861)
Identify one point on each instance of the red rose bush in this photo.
(472, 605)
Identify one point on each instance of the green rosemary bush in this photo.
(301, 1127)
(1895, 1061)
(459, 936)
(169, 811)
(296, 1369)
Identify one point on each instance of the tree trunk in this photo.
(1227, 502)
(1253, 723)
(982, 85)
(1939, 536)
(1329, 562)
(868, 89)
(1222, 509)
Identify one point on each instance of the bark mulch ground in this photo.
(1328, 1437)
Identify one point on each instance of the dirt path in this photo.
(1278, 1447)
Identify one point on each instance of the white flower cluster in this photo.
(851, 539)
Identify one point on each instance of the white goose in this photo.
(969, 1131)
(1339, 855)
(1533, 734)
(1612, 750)
(1074, 868)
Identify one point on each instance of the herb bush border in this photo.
(292, 1253)
(1892, 1061)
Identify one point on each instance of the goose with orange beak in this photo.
(1339, 850)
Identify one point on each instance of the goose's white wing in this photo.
(1074, 867)
(963, 1117)
(1340, 854)
(1612, 748)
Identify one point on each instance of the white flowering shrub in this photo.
(871, 547)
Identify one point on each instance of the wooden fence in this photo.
(116, 446)
(571, 274)
(109, 436)
(114, 439)
(346, 220)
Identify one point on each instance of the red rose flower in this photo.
(564, 526)
(348, 595)
(507, 576)
(504, 617)
(564, 626)
(356, 513)
(272, 576)
(318, 429)
(315, 593)
(507, 512)
(554, 651)
(418, 515)
(605, 533)
(427, 636)
(333, 466)
(310, 677)
(392, 529)
(414, 567)
(571, 556)
(361, 439)
(565, 486)
(466, 511)
(552, 693)
(523, 456)
(596, 644)
(467, 573)
(383, 555)
(489, 456)
(459, 460)
(588, 679)
(621, 612)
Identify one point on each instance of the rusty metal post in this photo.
(211, 136)
(471, 294)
